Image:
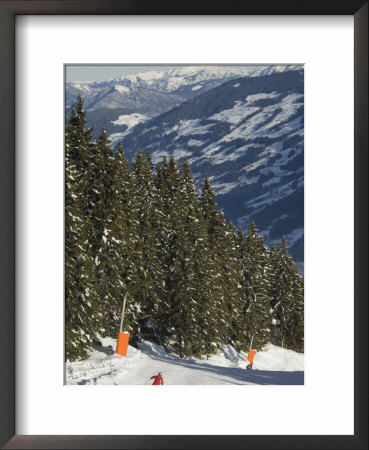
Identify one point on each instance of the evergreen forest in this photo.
(192, 282)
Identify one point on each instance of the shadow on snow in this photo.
(261, 377)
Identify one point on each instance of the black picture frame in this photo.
(8, 12)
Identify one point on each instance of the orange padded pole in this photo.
(122, 344)
(250, 356)
(123, 338)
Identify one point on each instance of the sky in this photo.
(103, 72)
(106, 72)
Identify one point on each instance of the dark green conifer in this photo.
(147, 283)
(287, 299)
(80, 282)
(257, 319)
(99, 210)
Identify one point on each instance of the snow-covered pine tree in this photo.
(294, 332)
(147, 278)
(232, 288)
(203, 323)
(118, 240)
(99, 208)
(176, 257)
(219, 264)
(287, 298)
(208, 336)
(80, 282)
(257, 319)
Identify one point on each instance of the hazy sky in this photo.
(106, 72)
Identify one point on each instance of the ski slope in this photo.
(273, 366)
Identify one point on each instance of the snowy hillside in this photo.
(273, 365)
(243, 126)
(248, 136)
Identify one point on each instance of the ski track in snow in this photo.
(273, 366)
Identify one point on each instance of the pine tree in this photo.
(232, 288)
(287, 298)
(147, 280)
(199, 330)
(255, 285)
(118, 240)
(99, 196)
(80, 282)
(175, 257)
(78, 138)
(223, 267)
(294, 331)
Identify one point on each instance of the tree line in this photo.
(193, 282)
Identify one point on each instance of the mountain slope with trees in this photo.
(247, 135)
(193, 282)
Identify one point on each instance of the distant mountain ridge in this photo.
(155, 92)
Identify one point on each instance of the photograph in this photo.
(184, 205)
(184, 224)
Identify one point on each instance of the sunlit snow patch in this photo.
(130, 120)
(122, 89)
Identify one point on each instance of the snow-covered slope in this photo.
(248, 136)
(273, 365)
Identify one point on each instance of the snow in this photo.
(83, 86)
(115, 137)
(262, 120)
(224, 188)
(194, 143)
(273, 365)
(254, 97)
(130, 120)
(122, 89)
(195, 88)
(249, 122)
(236, 114)
(189, 128)
(181, 153)
(289, 105)
(158, 155)
(172, 79)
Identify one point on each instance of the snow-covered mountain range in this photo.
(243, 126)
(155, 92)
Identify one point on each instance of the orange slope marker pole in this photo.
(251, 353)
(250, 356)
(123, 338)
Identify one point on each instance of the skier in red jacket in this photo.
(158, 379)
